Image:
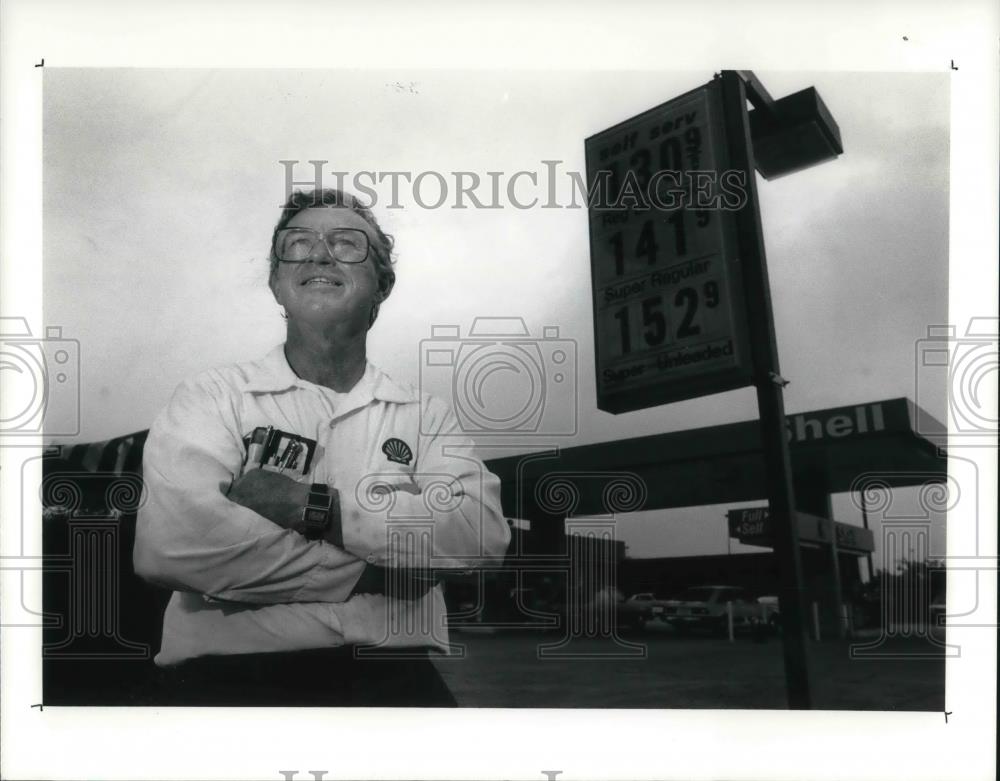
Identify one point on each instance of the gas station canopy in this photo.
(831, 450)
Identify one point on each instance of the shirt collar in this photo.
(272, 374)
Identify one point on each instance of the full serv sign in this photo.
(753, 526)
(669, 321)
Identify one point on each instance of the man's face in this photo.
(325, 291)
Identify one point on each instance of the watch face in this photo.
(314, 515)
(319, 496)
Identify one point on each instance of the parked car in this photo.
(770, 614)
(704, 607)
(638, 609)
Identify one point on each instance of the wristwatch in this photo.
(316, 514)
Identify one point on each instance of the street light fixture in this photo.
(792, 133)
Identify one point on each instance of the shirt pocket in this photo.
(289, 453)
(394, 476)
(379, 488)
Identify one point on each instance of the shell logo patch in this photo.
(398, 451)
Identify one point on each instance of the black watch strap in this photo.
(316, 514)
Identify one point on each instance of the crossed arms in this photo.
(200, 531)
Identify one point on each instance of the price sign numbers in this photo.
(662, 247)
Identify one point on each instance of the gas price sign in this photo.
(669, 314)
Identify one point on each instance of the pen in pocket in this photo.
(293, 458)
(278, 451)
(286, 455)
(270, 445)
(255, 450)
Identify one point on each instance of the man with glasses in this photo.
(300, 505)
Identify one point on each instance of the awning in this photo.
(722, 464)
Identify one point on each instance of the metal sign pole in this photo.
(835, 581)
(770, 401)
(864, 520)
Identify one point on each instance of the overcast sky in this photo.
(162, 187)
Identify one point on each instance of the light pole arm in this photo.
(757, 94)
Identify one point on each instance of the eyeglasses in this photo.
(296, 245)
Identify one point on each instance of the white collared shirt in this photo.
(241, 583)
